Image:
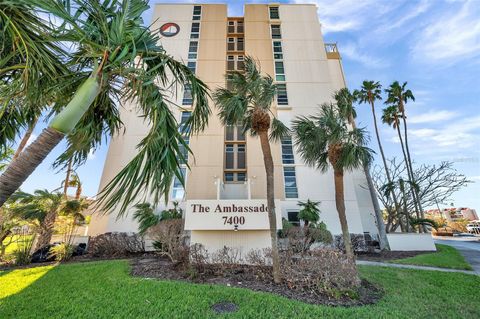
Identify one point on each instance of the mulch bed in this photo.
(388, 255)
(244, 276)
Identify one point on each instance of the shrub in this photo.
(23, 254)
(286, 225)
(168, 237)
(358, 242)
(319, 233)
(310, 213)
(323, 271)
(115, 245)
(62, 252)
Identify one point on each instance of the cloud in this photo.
(455, 138)
(352, 52)
(450, 37)
(432, 116)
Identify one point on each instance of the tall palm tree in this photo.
(399, 95)
(249, 102)
(370, 92)
(325, 140)
(345, 99)
(115, 59)
(391, 116)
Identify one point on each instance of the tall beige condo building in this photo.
(287, 41)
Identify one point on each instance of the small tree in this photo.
(310, 213)
(325, 140)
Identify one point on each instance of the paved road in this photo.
(469, 247)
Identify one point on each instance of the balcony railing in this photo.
(332, 51)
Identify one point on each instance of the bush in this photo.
(323, 271)
(23, 254)
(62, 252)
(286, 225)
(358, 242)
(169, 239)
(320, 234)
(115, 245)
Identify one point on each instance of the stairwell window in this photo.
(193, 49)
(187, 95)
(178, 191)
(197, 11)
(287, 151)
(274, 14)
(231, 44)
(290, 182)
(231, 27)
(279, 71)
(195, 30)
(282, 97)
(276, 33)
(192, 65)
(240, 44)
(277, 50)
(240, 63)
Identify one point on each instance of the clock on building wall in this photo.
(169, 29)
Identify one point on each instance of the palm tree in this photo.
(345, 99)
(369, 93)
(398, 95)
(115, 59)
(249, 102)
(391, 117)
(310, 213)
(325, 140)
(43, 207)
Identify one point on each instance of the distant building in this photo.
(454, 214)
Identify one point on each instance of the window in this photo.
(240, 63)
(287, 151)
(183, 150)
(277, 50)
(178, 192)
(231, 44)
(234, 133)
(229, 156)
(183, 120)
(235, 158)
(293, 218)
(279, 71)
(197, 10)
(192, 65)
(195, 30)
(230, 63)
(276, 33)
(187, 95)
(239, 26)
(240, 44)
(282, 97)
(231, 26)
(274, 13)
(196, 18)
(192, 50)
(290, 180)
(241, 156)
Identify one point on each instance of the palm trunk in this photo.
(422, 215)
(340, 203)
(382, 231)
(67, 178)
(380, 147)
(63, 123)
(46, 230)
(25, 139)
(272, 218)
(410, 177)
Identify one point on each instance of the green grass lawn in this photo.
(106, 290)
(445, 257)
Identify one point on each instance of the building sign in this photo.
(169, 29)
(229, 215)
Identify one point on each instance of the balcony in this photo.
(332, 51)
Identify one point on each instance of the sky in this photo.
(434, 45)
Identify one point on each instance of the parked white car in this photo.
(474, 227)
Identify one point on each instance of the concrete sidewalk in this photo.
(382, 264)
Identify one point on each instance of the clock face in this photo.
(169, 29)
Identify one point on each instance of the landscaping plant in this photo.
(248, 101)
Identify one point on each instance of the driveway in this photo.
(468, 246)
